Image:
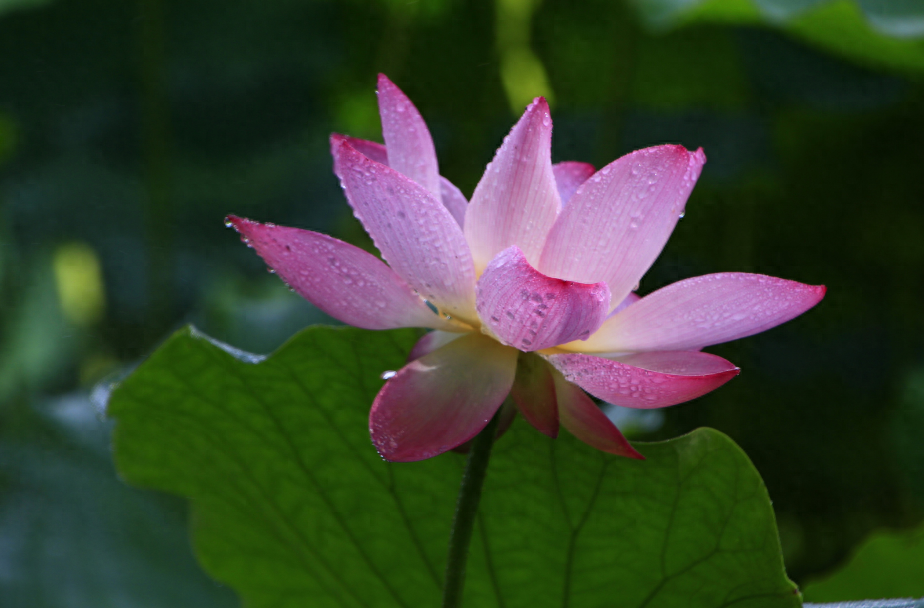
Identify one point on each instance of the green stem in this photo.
(466, 511)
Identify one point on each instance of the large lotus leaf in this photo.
(865, 32)
(887, 564)
(293, 507)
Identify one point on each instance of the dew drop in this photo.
(388, 375)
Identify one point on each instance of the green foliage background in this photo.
(129, 129)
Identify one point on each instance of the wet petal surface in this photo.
(646, 380)
(410, 147)
(569, 175)
(443, 399)
(516, 201)
(344, 281)
(530, 311)
(583, 419)
(417, 236)
(616, 224)
(702, 311)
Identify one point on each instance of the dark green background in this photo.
(129, 129)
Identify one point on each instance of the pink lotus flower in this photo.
(528, 287)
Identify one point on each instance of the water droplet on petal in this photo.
(388, 375)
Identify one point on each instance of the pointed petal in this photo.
(453, 200)
(370, 149)
(701, 311)
(452, 197)
(442, 399)
(581, 416)
(530, 311)
(415, 233)
(344, 281)
(534, 394)
(646, 380)
(410, 147)
(616, 224)
(431, 341)
(569, 175)
(516, 201)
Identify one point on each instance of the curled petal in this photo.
(344, 281)
(616, 224)
(533, 393)
(701, 311)
(569, 175)
(441, 400)
(581, 416)
(410, 147)
(530, 311)
(646, 380)
(415, 233)
(516, 201)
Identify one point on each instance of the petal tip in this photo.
(383, 81)
(631, 452)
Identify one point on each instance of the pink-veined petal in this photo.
(583, 419)
(617, 222)
(646, 380)
(443, 399)
(453, 200)
(534, 394)
(452, 197)
(569, 175)
(516, 201)
(344, 281)
(431, 341)
(530, 311)
(410, 147)
(702, 311)
(415, 233)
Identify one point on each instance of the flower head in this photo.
(528, 287)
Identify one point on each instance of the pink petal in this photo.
(616, 224)
(646, 380)
(370, 149)
(534, 394)
(344, 281)
(452, 197)
(569, 175)
(410, 147)
(415, 233)
(442, 399)
(431, 341)
(506, 415)
(516, 201)
(530, 311)
(628, 301)
(581, 416)
(453, 200)
(701, 311)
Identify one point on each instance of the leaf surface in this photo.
(292, 504)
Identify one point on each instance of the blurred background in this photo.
(128, 130)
